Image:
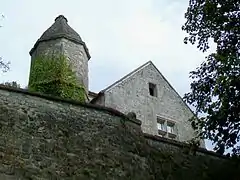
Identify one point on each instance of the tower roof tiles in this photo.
(61, 29)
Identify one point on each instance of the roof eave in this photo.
(126, 76)
(101, 93)
(58, 37)
(92, 93)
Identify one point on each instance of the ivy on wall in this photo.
(54, 76)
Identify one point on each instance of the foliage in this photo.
(4, 65)
(11, 84)
(215, 90)
(53, 75)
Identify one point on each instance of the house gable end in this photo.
(147, 93)
(173, 90)
(146, 65)
(131, 74)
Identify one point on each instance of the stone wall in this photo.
(168, 145)
(42, 137)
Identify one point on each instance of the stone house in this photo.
(149, 95)
(144, 91)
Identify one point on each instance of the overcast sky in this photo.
(120, 35)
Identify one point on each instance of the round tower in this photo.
(60, 38)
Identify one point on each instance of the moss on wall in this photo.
(53, 75)
(46, 139)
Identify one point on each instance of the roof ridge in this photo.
(61, 17)
(126, 76)
(61, 29)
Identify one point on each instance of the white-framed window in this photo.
(161, 125)
(166, 128)
(170, 128)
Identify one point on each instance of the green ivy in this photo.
(54, 76)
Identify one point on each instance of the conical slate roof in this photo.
(61, 29)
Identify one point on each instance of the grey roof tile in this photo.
(61, 29)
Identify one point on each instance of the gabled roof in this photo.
(60, 29)
(101, 93)
(127, 76)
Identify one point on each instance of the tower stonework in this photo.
(60, 38)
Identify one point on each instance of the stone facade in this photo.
(60, 38)
(74, 52)
(131, 94)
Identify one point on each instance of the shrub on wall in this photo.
(13, 84)
(54, 76)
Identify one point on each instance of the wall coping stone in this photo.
(181, 145)
(69, 101)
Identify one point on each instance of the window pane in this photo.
(170, 129)
(161, 126)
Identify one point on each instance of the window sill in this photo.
(161, 132)
(171, 135)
